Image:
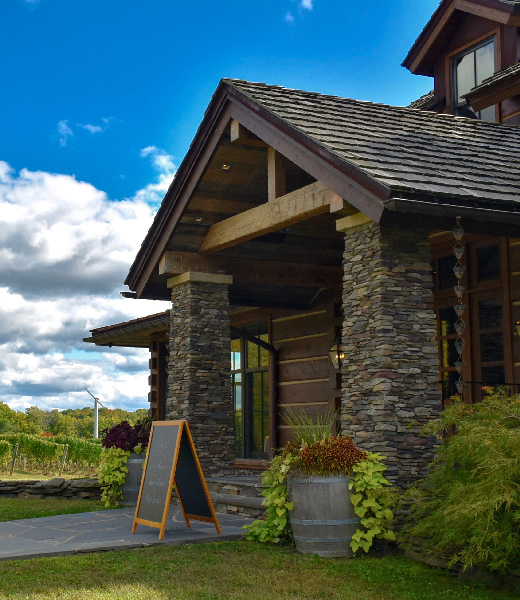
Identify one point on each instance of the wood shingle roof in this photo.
(411, 152)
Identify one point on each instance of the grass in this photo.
(41, 475)
(12, 509)
(229, 571)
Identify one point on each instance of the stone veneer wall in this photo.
(199, 380)
(390, 376)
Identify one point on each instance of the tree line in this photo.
(75, 422)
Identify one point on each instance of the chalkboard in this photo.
(171, 459)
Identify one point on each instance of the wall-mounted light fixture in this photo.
(518, 327)
(337, 354)
(226, 167)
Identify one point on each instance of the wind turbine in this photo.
(97, 403)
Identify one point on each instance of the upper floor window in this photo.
(469, 69)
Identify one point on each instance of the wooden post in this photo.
(275, 174)
(15, 456)
(64, 458)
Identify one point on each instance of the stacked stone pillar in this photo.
(390, 375)
(199, 382)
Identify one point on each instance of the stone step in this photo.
(239, 486)
(238, 505)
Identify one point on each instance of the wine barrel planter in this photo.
(323, 519)
(132, 483)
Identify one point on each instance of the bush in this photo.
(126, 437)
(468, 507)
(6, 455)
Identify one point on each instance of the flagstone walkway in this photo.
(106, 530)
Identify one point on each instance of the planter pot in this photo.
(323, 520)
(132, 483)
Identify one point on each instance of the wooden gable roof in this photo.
(378, 158)
(445, 21)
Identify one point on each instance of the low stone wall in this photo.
(89, 489)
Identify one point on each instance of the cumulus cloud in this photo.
(307, 4)
(165, 168)
(65, 249)
(65, 132)
(289, 17)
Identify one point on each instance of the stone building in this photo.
(299, 221)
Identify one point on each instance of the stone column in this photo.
(390, 376)
(199, 378)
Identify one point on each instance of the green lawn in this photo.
(229, 571)
(220, 571)
(12, 509)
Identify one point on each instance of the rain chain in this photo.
(459, 308)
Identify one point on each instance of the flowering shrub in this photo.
(126, 437)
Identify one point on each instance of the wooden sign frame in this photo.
(183, 430)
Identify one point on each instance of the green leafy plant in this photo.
(317, 452)
(118, 442)
(276, 526)
(468, 507)
(112, 474)
(372, 500)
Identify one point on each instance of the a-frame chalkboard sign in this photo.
(171, 460)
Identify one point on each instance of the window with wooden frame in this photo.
(488, 336)
(469, 68)
(250, 385)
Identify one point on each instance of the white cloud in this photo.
(165, 168)
(289, 17)
(307, 4)
(65, 249)
(91, 128)
(65, 131)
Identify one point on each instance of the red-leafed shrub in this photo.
(126, 436)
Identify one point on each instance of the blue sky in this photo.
(99, 102)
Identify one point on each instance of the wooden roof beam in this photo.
(252, 271)
(238, 133)
(302, 204)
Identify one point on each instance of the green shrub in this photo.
(6, 455)
(468, 507)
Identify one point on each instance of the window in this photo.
(250, 384)
(470, 68)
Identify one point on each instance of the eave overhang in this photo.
(135, 333)
(422, 55)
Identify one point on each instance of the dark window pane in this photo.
(491, 347)
(493, 375)
(252, 355)
(448, 383)
(445, 274)
(488, 263)
(490, 312)
(257, 392)
(448, 353)
(447, 319)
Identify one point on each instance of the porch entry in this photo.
(250, 385)
(488, 335)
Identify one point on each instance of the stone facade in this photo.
(390, 376)
(199, 380)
